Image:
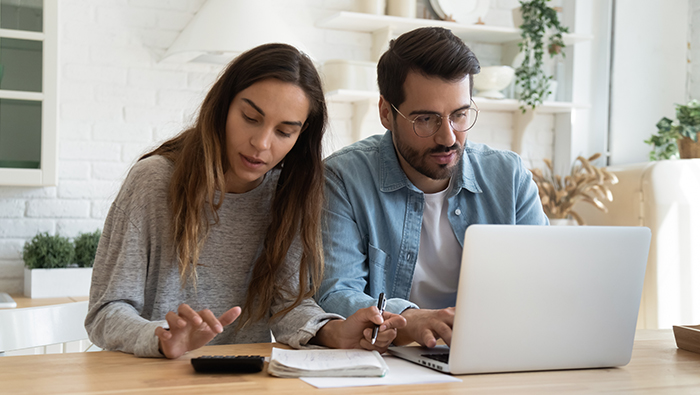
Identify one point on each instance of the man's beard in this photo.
(419, 161)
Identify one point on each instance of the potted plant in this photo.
(530, 76)
(50, 270)
(86, 248)
(677, 137)
(585, 183)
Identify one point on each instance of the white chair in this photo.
(664, 196)
(42, 326)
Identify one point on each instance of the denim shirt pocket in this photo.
(378, 261)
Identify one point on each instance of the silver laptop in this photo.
(543, 298)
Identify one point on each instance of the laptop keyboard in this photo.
(444, 357)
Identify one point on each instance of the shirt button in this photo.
(458, 212)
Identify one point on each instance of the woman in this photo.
(227, 213)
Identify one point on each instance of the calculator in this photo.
(228, 363)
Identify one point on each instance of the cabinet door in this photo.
(28, 92)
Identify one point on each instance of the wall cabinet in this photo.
(28, 103)
(383, 28)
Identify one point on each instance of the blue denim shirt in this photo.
(373, 214)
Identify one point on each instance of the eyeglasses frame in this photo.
(413, 121)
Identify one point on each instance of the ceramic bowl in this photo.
(491, 80)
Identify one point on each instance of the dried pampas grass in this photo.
(585, 183)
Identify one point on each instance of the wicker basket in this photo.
(688, 148)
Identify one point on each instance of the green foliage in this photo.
(86, 247)
(687, 124)
(530, 76)
(48, 252)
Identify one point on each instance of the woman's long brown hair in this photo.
(200, 161)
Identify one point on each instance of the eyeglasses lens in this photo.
(426, 125)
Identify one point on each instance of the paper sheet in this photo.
(400, 372)
(326, 359)
(326, 363)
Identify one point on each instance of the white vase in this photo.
(552, 96)
(563, 222)
(56, 283)
(373, 6)
(517, 17)
(492, 79)
(403, 8)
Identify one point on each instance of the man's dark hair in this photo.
(431, 51)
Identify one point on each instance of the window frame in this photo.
(47, 173)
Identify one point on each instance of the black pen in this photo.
(381, 304)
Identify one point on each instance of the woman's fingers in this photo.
(174, 321)
(186, 312)
(228, 317)
(191, 329)
(203, 324)
(163, 333)
(210, 319)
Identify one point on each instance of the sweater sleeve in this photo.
(300, 324)
(114, 320)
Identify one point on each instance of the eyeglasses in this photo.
(426, 125)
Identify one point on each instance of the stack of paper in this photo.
(326, 363)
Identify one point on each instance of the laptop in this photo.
(543, 298)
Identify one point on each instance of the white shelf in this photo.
(21, 95)
(505, 105)
(383, 28)
(22, 177)
(22, 34)
(369, 23)
(548, 107)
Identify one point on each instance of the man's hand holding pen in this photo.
(356, 330)
(381, 305)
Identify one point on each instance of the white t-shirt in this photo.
(436, 275)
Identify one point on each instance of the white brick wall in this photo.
(116, 101)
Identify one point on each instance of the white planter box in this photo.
(53, 283)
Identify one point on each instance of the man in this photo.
(398, 204)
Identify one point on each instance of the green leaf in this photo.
(47, 252)
(86, 248)
(530, 76)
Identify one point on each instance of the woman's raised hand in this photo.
(190, 330)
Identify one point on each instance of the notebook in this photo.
(543, 298)
(326, 363)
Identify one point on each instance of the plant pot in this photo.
(688, 149)
(55, 283)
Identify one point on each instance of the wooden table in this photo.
(657, 367)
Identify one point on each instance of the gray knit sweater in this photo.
(135, 279)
